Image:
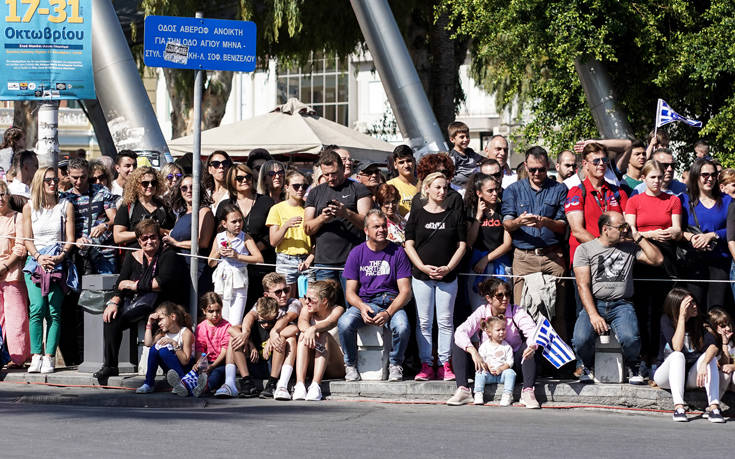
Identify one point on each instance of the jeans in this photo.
(462, 364)
(167, 359)
(432, 295)
(351, 321)
(507, 377)
(620, 316)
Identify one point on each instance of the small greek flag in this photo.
(665, 115)
(556, 350)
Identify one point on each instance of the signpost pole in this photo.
(48, 133)
(195, 195)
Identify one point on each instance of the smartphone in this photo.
(334, 202)
(320, 348)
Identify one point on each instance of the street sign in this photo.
(199, 44)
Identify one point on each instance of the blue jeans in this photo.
(431, 295)
(621, 318)
(167, 359)
(732, 276)
(351, 321)
(507, 377)
(216, 378)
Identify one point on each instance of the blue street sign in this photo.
(199, 44)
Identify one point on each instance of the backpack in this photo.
(613, 188)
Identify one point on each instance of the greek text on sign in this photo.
(198, 43)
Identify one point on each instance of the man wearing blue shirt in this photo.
(533, 213)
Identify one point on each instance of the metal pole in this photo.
(47, 147)
(609, 118)
(195, 194)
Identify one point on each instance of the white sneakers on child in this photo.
(479, 399)
(315, 392)
(48, 364)
(281, 393)
(299, 391)
(35, 364)
(506, 399)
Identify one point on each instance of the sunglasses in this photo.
(174, 176)
(665, 166)
(147, 183)
(274, 173)
(598, 161)
(497, 175)
(267, 322)
(50, 180)
(536, 170)
(98, 178)
(708, 175)
(148, 237)
(216, 164)
(186, 188)
(241, 178)
(620, 227)
(390, 203)
(282, 291)
(298, 186)
(500, 295)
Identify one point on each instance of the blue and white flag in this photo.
(665, 115)
(556, 350)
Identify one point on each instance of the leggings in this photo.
(462, 364)
(14, 320)
(167, 359)
(44, 307)
(233, 309)
(672, 374)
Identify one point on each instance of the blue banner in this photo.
(199, 43)
(46, 50)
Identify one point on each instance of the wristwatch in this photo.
(640, 238)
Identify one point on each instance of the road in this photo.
(34, 423)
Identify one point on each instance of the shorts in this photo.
(288, 266)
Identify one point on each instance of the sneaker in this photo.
(47, 364)
(314, 393)
(144, 389)
(246, 388)
(479, 398)
(680, 415)
(528, 398)
(201, 386)
(395, 373)
(270, 387)
(351, 373)
(177, 387)
(225, 391)
(35, 366)
(461, 397)
(426, 373)
(281, 393)
(445, 372)
(586, 376)
(507, 399)
(299, 391)
(634, 376)
(714, 416)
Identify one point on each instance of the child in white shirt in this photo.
(497, 357)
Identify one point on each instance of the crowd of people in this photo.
(457, 254)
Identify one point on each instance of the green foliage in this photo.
(678, 50)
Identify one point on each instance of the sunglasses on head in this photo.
(602, 160)
(274, 173)
(241, 178)
(147, 183)
(173, 176)
(536, 170)
(298, 186)
(50, 180)
(224, 163)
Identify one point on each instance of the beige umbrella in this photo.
(290, 128)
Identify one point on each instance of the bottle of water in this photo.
(203, 362)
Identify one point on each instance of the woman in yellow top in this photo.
(287, 235)
(405, 165)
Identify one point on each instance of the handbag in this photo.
(95, 301)
(688, 258)
(139, 306)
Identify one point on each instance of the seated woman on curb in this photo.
(518, 324)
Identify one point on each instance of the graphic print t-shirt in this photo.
(610, 268)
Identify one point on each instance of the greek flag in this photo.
(665, 115)
(556, 350)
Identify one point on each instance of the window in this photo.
(321, 84)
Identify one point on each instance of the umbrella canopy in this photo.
(289, 129)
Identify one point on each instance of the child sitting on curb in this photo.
(497, 357)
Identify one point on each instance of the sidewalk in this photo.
(555, 392)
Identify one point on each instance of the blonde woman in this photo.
(49, 222)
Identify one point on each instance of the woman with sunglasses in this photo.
(271, 180)
(13, 300)
(49, 222)
(465, 356)
(141, 200)
(99, 174)
(150, 269)
(254, 208)
(704, 213)
(214, 178)
(172, 174)
(490, 242)
(286, 226)
(388, 199)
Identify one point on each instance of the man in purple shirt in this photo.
(378, 275)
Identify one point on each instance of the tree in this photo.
(677, 50)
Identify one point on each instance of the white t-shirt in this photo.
(509, 179)
(574, 180)
(19, 188)
(496, 355)
(116, 189)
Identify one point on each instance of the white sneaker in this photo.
(48, 364)
(144, 389)
(479, 398)
(299, 391)
(462, 396)
(281, 393)
(315, 392)
(506, 399)
(35, 364)
(351, 373)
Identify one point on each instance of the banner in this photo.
(46, 50)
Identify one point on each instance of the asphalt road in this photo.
(38, 421)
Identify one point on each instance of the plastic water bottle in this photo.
(203, 362)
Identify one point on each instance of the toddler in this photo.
(497, 362)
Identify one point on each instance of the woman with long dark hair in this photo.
(214, 177)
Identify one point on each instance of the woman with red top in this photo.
(656, 215)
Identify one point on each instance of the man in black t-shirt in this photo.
(334, 216)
